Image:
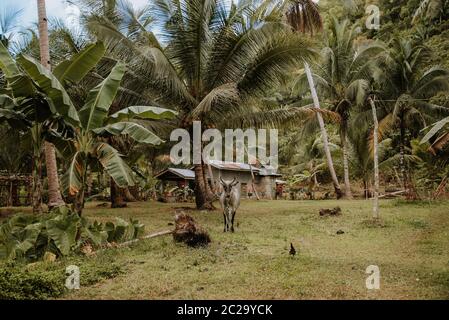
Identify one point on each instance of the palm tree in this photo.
(8, 24)
(343, 75)
(407, 91)
(79, 134)
(54, 192)
(304, 16)
(215, 60)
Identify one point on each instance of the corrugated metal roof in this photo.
(236, 166)
(182, 173)
(269, 171)
(185, 173)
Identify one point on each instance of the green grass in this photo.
(410, 247)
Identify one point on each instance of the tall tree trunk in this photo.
(344, 144)
(117, 200)
(376, 160)
(410, 190)
(210, 193)
(324, 135)
(54, 193)
(201, 198)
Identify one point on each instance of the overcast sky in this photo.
(55, 8)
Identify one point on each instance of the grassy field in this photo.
(411, 250)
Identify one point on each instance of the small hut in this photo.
(254, 180)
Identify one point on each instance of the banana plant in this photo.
(36, 90)
(35, 99)
(95, 125)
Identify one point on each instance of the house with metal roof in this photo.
(176, 174)
(255, 181)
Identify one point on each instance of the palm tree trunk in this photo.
(376, 160)
(201, 198)
(410, 190)
(324, 135)
(209, 191)
(402, 157)
(344, 144)
(54, 193)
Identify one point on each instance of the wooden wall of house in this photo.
(265, 186)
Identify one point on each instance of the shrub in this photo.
(29, 237)
(18, 283)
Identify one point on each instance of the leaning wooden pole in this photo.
(252, 182)
(376, 159)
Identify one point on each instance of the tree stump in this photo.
(188, 232)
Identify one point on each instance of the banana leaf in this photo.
(100, 98)
(75, 69)
(143, 112)
(51, 86)
(20, 84)
(114, 165)
(134, 130)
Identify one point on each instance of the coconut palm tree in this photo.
(8, 24)
(343, 76)
(54, 192)
(213, 60)
(406, 91)
(304, 16)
